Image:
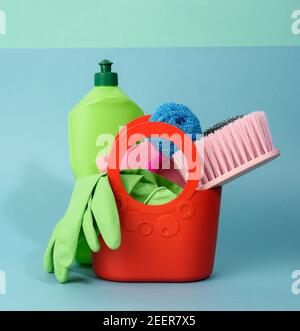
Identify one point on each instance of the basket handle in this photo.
(142, 128)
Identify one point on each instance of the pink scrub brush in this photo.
(232, 148)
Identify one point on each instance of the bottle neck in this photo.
(106, 79)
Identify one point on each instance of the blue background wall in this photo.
(259, 236)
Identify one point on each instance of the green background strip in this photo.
(151, 23)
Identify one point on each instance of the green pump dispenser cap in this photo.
(105, 77)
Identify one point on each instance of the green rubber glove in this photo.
(83, 253)
(61, 250)
(160, 196)
(149, 188)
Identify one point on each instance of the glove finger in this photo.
(89, 229)
(106, 213)
(67, 251)
(67, 238)
(48, 255)
(61, 272)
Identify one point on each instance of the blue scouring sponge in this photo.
(180, 116)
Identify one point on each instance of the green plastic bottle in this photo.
(102, 111)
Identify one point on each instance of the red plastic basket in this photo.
(174, 242)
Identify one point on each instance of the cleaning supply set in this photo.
(135, 218)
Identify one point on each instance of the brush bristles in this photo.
(238, 142)
(221, 124)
